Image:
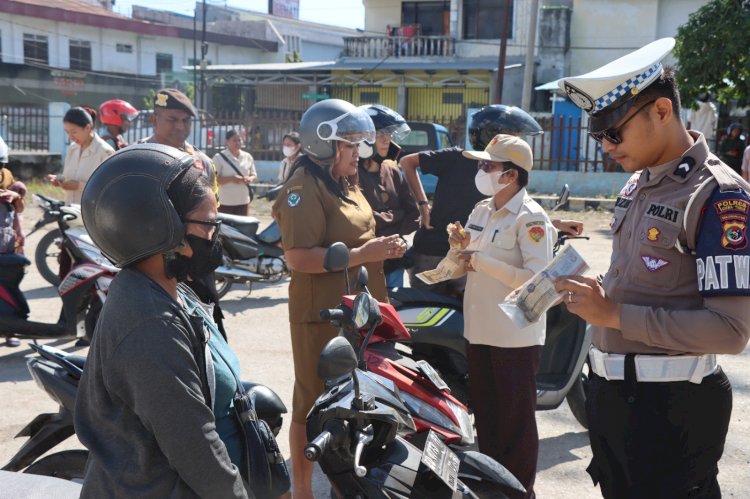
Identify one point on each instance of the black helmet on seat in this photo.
(125, 206)
(498, 118)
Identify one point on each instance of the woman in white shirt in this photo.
(291, 145)
(508, 238)
(235, 170)
(85, 153)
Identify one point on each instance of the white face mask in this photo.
(288, 151)
(487, 183)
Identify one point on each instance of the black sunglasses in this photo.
(613, 134)
(216, 224)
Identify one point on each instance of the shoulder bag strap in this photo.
(237, 170)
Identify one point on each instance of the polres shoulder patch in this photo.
(293, 199)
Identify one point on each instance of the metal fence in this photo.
(25, 128)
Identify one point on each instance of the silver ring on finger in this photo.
(570, 297)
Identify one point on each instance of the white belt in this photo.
(654, 368)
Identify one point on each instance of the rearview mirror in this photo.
(336, 258)
(362, 278)
(336, 359)
(562, 198)
(361, 310)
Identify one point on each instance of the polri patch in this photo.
(536, 233)
(733, 214)
(293, 199)
(663, 212)
(653, 263)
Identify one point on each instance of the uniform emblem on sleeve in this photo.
(653, 263)
(536, 233)
(733, 216)
(653, 234)
(293, 199)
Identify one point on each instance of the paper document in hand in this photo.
(532, 300)
(449, 267)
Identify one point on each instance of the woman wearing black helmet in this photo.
(154, 424)
(384, 188)
(318, 207)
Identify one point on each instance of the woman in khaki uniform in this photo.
(319, 207)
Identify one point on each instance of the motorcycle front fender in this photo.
(44, 432)
(475, 464)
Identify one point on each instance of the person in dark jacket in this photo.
(732, 147)
(384, 187)
(154, 405)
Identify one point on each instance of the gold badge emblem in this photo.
(161, 100)
(653, 234)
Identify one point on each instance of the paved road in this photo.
(258, 332)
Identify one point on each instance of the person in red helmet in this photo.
(116, 115)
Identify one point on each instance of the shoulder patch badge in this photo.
(536, 233)
(733, 216)
(293, 199)
(653, 263)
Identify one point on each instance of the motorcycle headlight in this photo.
(423, 410)
(467, 429)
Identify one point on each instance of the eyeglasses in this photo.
(487, 166)
(613, 134)
(213, 233)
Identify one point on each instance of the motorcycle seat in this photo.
(266, 401)
(271, 234)
(420, 296)
(77, 360)
(246, 225)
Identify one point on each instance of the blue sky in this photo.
(347, 13)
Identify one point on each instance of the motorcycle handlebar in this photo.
(331, 314)
(315, 449)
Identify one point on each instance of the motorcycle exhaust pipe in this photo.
(236, 274)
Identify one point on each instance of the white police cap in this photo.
(607, 88)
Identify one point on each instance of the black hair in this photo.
(231, 133)
(188, 191)
(664, 86)
(80, 116)
(523, 175)
(293, 136)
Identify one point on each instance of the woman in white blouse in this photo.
(235, 170)
(85, 153)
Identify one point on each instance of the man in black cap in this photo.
(677, 291)
(172, 120)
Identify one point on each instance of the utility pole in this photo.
(204, 63)
(528, 69)
(503, 47)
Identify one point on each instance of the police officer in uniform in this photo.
(317, 208)
(676, 294)
(172, 121)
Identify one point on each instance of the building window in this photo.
(453, 98)
(80, 55)
(124, 48)
(35, 49)
(163, 63)
(433, 18)
(483, 19)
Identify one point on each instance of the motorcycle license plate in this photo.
(441, 460)
(430, 373)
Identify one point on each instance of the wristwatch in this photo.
(422, 203)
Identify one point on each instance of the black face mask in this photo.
(207, 255)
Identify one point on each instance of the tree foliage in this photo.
(713, 50)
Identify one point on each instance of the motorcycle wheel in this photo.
(68, 465)
(576, 397)
(223, 286)
(46, 254)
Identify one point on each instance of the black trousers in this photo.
(658, 440)
(502, 389)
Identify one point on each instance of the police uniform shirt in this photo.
(309, 216)
(672, 301)
(510, 245)
(455, 196)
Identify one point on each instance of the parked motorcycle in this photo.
(49, 246)
(421, 390)
(355, 430)
(83, 290)
(58, 373)
(436, 325)
(250, 256)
